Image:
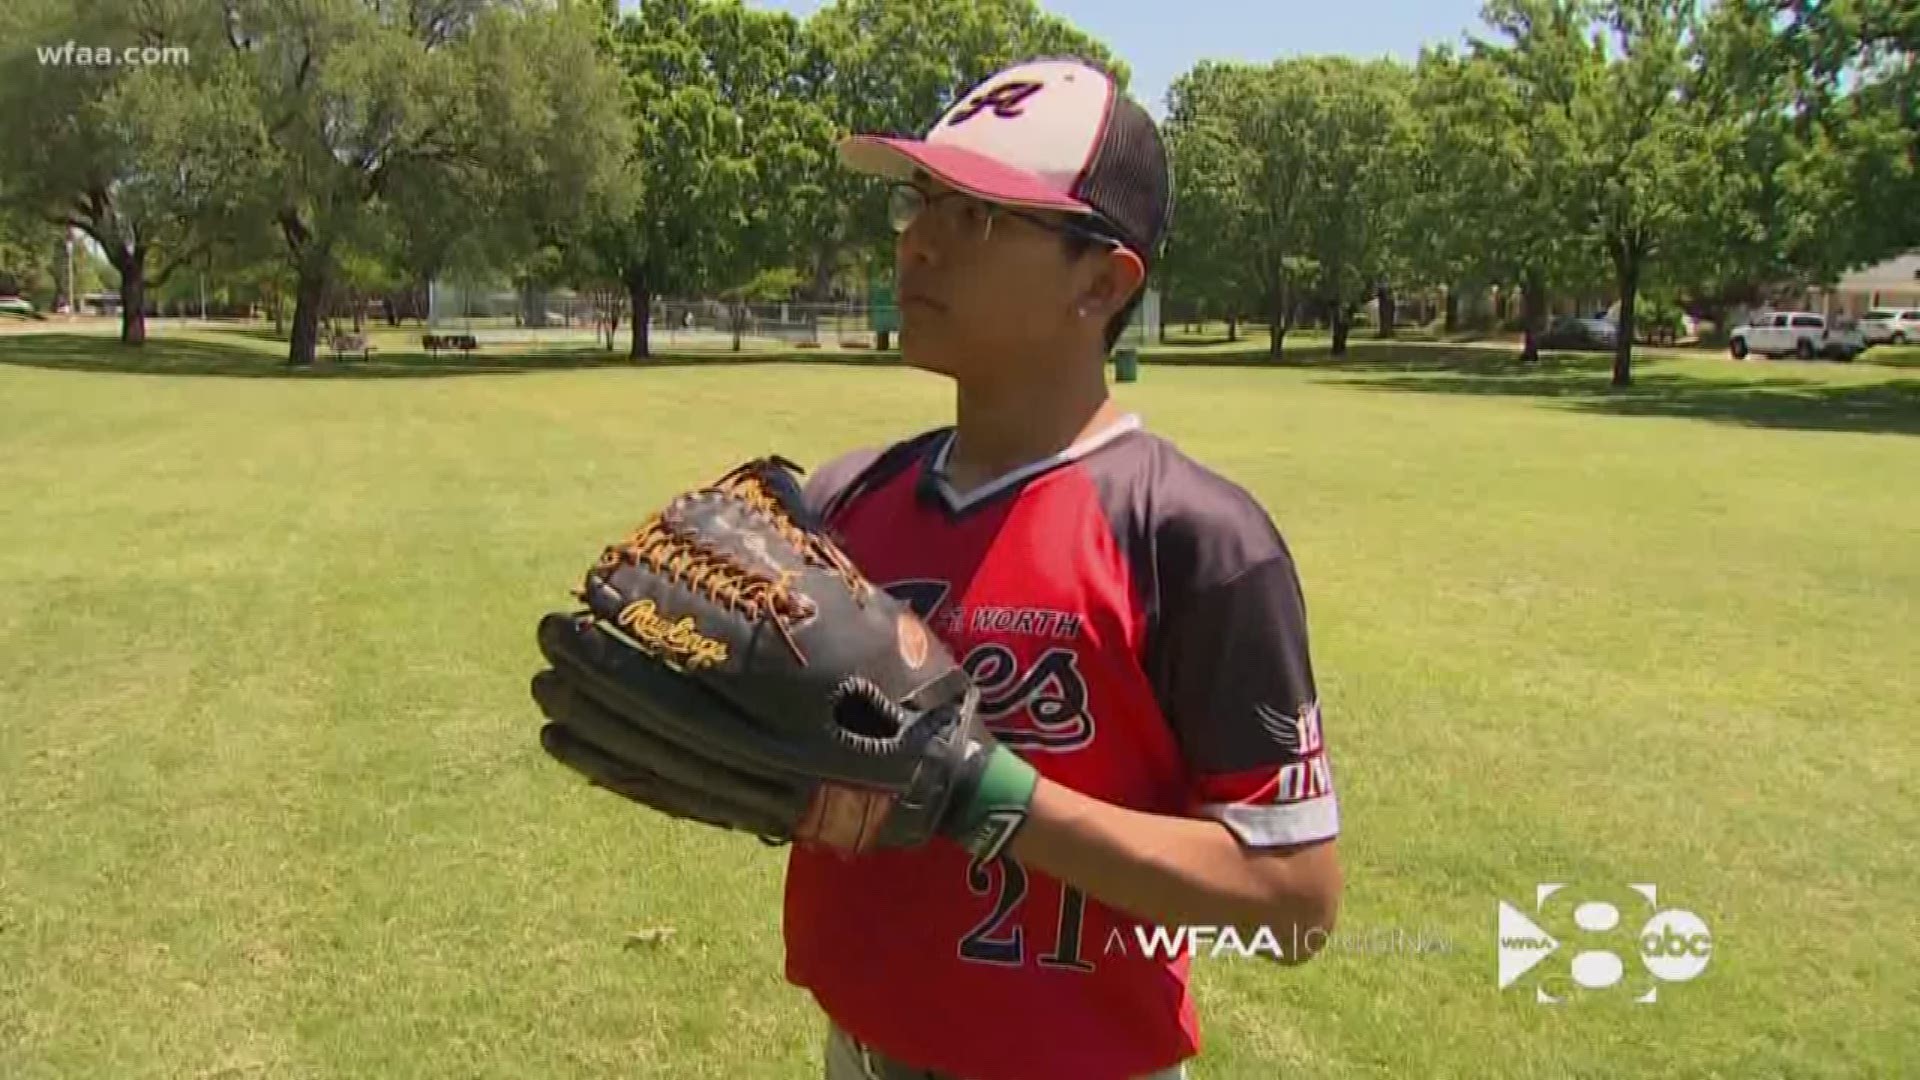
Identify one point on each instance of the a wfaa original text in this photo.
(1227, 942)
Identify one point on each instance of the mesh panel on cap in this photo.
(1129, 181)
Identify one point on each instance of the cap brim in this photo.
(968, 170)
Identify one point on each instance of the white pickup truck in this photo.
(1804, 334)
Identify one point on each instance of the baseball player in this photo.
(1134, 622)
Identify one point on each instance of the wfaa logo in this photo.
(1671, 945)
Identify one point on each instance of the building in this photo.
(1894, 283)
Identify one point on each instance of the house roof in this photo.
(1895, 273)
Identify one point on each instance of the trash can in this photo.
(1126, 366)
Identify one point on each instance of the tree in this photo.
(32, 258)
(1501, 187)
(1213, 166)
(1357, 155)
(1857, 68)
(1241, 127)
(1657, 147)
(1821, 102)
(551, 176)
(731, 149)
(374, 112)
(758, 65)
(1306, 165)
(1635, 142)
(105, 149)
(351, 98)
(1468, 178)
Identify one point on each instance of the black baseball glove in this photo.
(732, 666)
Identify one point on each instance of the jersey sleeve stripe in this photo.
(1271, 825)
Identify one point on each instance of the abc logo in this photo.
(1675, 945)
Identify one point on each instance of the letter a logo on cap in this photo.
(1004, 100)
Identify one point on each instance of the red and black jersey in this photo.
(1136, 627)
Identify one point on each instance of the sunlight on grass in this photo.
(273, 804)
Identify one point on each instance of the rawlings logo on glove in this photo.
(733, 667)
(681, 640)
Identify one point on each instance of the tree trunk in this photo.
(1277, 319)
(1626, 264)
(825, 259)
(1341, 323)
(1233, 328)
(533, 305)
(133, 297)
(1452, 325)
(608, 301)
(1533, 303)
(640, 297)
(1388, 310)
(309, 295)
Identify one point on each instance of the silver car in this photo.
(1891, 326)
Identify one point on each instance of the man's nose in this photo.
(916, 244)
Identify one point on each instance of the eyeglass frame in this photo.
(1100, 235)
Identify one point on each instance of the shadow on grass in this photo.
(186, 356)
(1583, 383)
(1203, 341)
(1478, 354)
(1897, 356)
(1315, 352)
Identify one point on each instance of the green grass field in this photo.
(271, 803)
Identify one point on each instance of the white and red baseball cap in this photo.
(1051, 134)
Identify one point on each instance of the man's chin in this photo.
(921, 358)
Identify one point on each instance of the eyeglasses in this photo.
(962, 215)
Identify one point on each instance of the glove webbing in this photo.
(748, 484)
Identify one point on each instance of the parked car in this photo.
(1804, 334)
(1891, 326)
(1650, 329)
(1577, 332)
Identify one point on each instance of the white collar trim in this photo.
(1087, 445)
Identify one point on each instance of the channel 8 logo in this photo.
(1610, 942)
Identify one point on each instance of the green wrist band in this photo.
(998, 806)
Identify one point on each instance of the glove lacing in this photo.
(676, 554)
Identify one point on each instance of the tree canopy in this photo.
(334, 150)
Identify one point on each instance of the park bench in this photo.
(349, 344)
(433, 343)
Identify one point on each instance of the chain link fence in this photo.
(504, 316)
(784, 324)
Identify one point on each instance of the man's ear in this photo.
(1119, 277)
